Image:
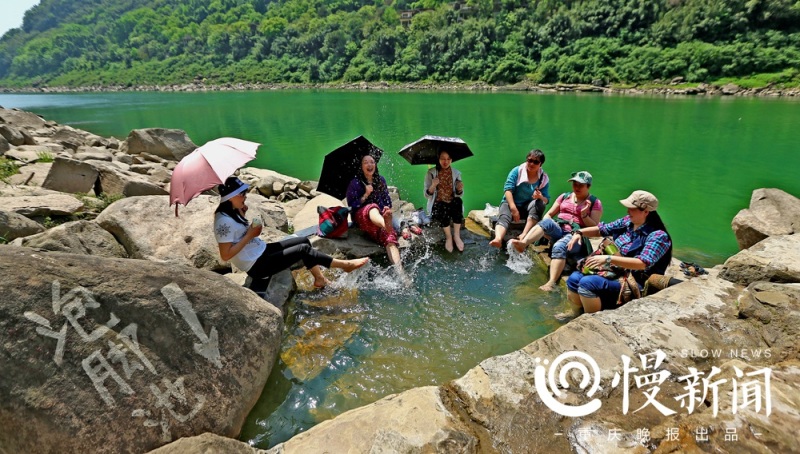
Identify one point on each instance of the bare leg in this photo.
(532, 236)
(499, 233)
(591, 304)
(457, 237)
(556, 268)
(319, 280)
(349, 265)
(448, 239)
(376, 218)
(529, 224)
(394, 254)
(575, 307)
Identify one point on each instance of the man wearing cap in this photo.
(645, 248)
(571, 211)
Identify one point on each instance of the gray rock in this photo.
(775, 259)
(13, 225)
(78, 237)
(4, 145)
(116, 181)
(72, 176)
(730, 89)
(771, 212)
(43, 205)
(12, 135)
(33, 174)
(21, 118)
(94, 153)
(207, 443)
(171, 144)
(148, 229)
(148, 353)
(69, 137)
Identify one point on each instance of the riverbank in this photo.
(675, 87)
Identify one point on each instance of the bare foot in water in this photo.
(520, 246)
(548, 287)
(321, 282)
(459, 244)
(448, 244)
(352, 265)
(497, 242)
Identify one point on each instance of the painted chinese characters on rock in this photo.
(118, 356)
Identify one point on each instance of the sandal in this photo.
(415, 230)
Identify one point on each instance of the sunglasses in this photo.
(533, 161)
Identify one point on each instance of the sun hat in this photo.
(642, 200)
(231, 188)
(582, 177)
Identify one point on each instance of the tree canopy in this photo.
(64, 42)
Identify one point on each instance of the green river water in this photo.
(370, 337)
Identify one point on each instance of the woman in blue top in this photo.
(644, 246)
(526, 193)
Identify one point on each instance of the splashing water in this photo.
(520, 263)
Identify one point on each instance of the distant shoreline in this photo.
(663, 90)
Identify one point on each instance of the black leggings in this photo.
(282, 254)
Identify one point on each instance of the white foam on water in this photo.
(519, 263)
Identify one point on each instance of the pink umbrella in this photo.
(207, 167)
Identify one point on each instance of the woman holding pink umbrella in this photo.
(240, 244)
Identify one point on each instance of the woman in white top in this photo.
(239, 242)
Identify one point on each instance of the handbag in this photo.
(629, 289)
(332, 222)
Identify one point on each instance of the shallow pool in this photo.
(369, 336)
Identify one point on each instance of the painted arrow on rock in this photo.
(208, 347)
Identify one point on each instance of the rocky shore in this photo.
(122, 331)
(676, 86)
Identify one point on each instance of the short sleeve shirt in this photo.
(226, 230)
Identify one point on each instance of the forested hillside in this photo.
(87, 42)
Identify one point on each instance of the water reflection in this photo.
(369, 335)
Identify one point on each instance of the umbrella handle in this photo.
(176, 210)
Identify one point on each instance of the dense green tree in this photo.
(506, 41)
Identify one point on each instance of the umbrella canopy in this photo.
(207, 167)
(342, 164)
(426, 149)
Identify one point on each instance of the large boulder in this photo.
(13, 225)
(21, 118)
(12, 135)
(78, 237)
(33, 174)
(207, 443)
(771, 212)
(71, 175)
(775, 259)
(148, 228)
(172, 144)
(119, 355)
(117, 181)
(41, 205)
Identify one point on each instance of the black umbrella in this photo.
(426, 150)
(342, 164)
